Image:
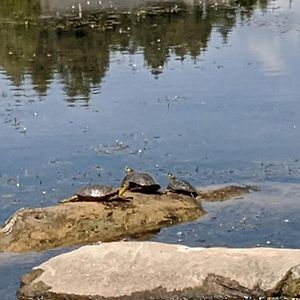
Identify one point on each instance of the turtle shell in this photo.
(95, 192)
(181, 187)
(140, 182)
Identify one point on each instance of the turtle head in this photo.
(171, 176)
(128, 170)
(123, 188)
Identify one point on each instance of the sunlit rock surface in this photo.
(81, 223)
(146, 270)
(87, 222)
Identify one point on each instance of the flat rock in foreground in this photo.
(147, 270)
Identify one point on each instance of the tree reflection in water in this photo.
(78, 49)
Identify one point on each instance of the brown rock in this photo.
(223, 193)
(81, 223)
(146, 270)
(88, 222)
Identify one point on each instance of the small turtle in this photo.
(181, 186)
(95, 192)
(138, 182)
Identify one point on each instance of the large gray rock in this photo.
(147, 270)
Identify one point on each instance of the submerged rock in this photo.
(226, 192)
(81, 223)
(147, 270)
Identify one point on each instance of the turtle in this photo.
(181, 186)
(138, 182)
(96, 192)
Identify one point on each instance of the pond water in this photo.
(208, 91)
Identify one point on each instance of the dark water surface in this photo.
(209, 92)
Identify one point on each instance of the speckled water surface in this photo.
(210, 93)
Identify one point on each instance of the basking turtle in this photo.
(138, 182)
(181, 186)
(94, 192)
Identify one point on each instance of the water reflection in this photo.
(56, 7)
(78, 50)
(266, 44)
(269, 53)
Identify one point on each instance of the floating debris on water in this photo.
(23, 130)
(113, 148)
